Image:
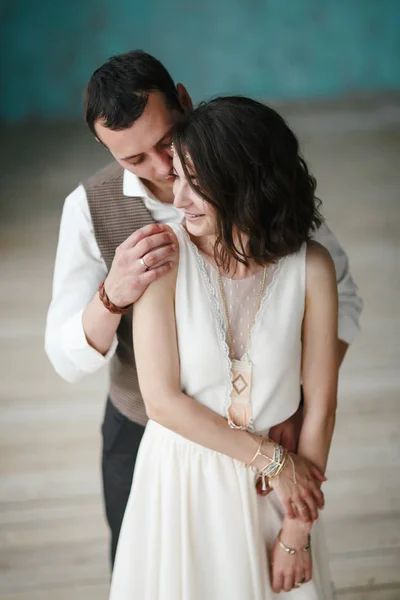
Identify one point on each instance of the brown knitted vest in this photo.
(115, 217)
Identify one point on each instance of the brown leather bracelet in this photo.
(110, 306)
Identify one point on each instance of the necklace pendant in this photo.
(239, 410)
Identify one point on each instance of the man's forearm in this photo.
(99, 325)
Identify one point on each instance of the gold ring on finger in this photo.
(143, 263)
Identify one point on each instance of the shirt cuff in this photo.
(347, 329)
(85, 358)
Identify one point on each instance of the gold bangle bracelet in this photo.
(291, 550)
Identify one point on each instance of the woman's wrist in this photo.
(265, 453)
(295, 532)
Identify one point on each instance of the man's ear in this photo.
(184, 98)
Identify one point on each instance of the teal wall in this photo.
(275, 49)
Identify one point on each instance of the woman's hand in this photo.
(302, 499)
(290, 571)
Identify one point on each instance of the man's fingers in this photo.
(142, 233)
(158, 257)
(150, 276)
(150, 243)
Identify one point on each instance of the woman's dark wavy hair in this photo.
(247, 165)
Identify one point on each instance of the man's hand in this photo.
(287, 434)
(128, 278)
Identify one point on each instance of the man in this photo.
(110, 249)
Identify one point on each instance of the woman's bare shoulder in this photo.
(319, 261)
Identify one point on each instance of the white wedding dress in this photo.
(194, 527)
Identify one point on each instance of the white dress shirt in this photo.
(80, 268)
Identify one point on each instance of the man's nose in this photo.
(164, 163)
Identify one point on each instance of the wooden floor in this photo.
(53, 539)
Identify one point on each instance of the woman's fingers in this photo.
(277, 582)
(289, 571)
(304, 515)
(307, 572)
(317, 493)
(289, 509)
(317, 474)
(311, 504)
(299, 577)
(288, 582)
(302, 510)
(309, 499)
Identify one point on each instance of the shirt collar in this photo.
(133, 186)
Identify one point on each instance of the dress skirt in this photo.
(195, 529)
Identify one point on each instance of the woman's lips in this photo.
(192, 216)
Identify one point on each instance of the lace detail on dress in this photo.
(215, 304)
(214, 297)
(264, 301)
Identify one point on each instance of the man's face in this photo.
(145, 147)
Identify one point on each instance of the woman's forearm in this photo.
(315, 438)
(197, 423)
(314, 444)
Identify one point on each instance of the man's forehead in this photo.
(143, 141)
(153, 124)
(140, 138)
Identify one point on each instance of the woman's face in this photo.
(199, 214)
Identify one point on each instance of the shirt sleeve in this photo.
(350, 303)
(78, 271)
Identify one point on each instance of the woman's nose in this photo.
(179, 196)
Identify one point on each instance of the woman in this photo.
(222, 344)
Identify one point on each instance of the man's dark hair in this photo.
(118, 91)
(246, 164)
